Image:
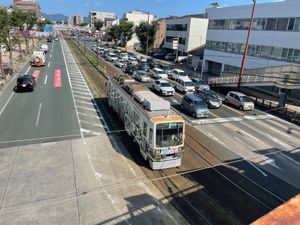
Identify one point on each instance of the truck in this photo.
(149, 120)
(38, 59)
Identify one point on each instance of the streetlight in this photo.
(246, 46)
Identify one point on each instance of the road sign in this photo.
(175, 43)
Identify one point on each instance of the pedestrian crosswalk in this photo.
(89, 116)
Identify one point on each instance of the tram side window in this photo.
(150, 135)
(145, 129)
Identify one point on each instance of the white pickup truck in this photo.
(38, 58)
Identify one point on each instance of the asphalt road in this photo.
(245, 164)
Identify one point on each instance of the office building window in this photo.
(297, 24)
(177, 27)
(271, 23)
(282, 24)
(276, 53)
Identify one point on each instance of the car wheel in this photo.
(241, 108)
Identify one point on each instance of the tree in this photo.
(31, 20)
(114, 32)
(4, 34)
(98, 24)
(124, 29)
(144, 30)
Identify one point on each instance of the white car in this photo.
(120, 63)
(163, 87)
(184, 85)
(112, 57)
(142, 76)
(132, 60)
(175, 73)
(240, 100)
(44, 48)
(159, 73)
(124, 56)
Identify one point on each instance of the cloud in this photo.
(98, 4)
(86, 4)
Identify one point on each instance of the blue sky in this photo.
(160, 8)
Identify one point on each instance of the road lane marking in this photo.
(289, 158)
(216, 139)
(76, 109)
(27, 69)
(90, 116)
(244, 144)
(80, 92)
(91, 124)
(46, 78)
(57, 78)
(87, 108)
(79, 88)
(6, 103)
(49, 64)
(79, 96)
(50, 54)
(39, 139)
(262, 172)
(38, 115)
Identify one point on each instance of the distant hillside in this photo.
(56, 17)
(61, 17)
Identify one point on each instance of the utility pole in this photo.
(148, 21)
(246, 46)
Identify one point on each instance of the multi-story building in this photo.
(190, 31)
(28, 5)
(70, 21)
(77, 20)
(106, 17)
(274, 39)
(136, 17)
(160, 34)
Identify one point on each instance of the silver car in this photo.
(240, 100)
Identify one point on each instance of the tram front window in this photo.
(169, 134)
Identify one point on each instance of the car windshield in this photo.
(200, 104)
(212, 97)
(182, 73)
(166, 67)
(188, 83)
(199, 82)
(22, 80)
(160, 72)
(169, 134)
(166, 85)
(245, 99)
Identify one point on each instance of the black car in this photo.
(210, 98)
(130, 69)
(153, 65)
(25, 82)
(144, 66)
(49, 39)
(159, 55)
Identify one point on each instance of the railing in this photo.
(273, 108)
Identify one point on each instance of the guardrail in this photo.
(273, 108)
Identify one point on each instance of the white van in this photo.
(184, 85)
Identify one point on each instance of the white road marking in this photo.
(27, 69)
(214, 138)
(38, 115)
(289, 158)
(88, 115)
(87, 108)
(80, 92)
(49, 64)
(271, 162)
(39, 139)
(6, 103)
(280, 132)
(79, 88)
(250, 135)
(295, 151)
(46, 78)
(50, 54)
(91, 132)
(262, 172)
(244, 144)
(79, 96)
(91, 123)
(276, 140)
(79, 85)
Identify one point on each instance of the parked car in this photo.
(130, 69)
(132, 60)
(142, 76)
(159, 55)
(159, 74)
(184, 85)
(144, 66)
(163, 87)
(120, 63)
(199, 84)
(210, 98)
(240, 100)
(124, 56)
(153, 65)
(170, 56)
(175, 73)
(195, 106)
(25, 82)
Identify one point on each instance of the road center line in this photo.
(49, 64)
(38, 115)
(46, 78)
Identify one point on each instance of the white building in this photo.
(191, 31)
(136, 17)
(274, 40)
(70, 21)
(106, 17)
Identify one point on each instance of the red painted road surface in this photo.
(57, 78)
(36, 74)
